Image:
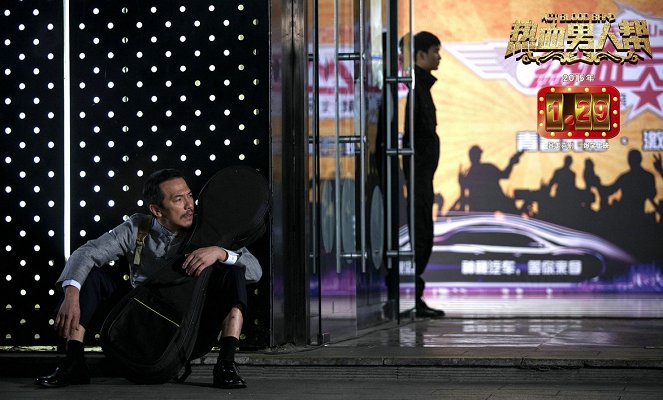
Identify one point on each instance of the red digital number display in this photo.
(578, 112)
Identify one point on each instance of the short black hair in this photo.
(423, 41)
(152, 193)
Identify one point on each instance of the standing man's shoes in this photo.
(67, 373)
(227, 377)
(424, 311)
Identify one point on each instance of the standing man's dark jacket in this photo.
(426, 156)
(426, 141)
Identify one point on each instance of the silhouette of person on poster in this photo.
(570, 205)
(629, 224)
(636, 186)
(480, 187)
(658, 164)
(563, 182)
(592, 181)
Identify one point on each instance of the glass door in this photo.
(350, 153)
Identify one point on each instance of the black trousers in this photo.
(227, 289)
(423, 219)
(103, 289)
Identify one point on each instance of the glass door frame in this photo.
(318, 191)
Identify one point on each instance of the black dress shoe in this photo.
(423, 310)
(426, 313)
(227, 377)
(67, 373)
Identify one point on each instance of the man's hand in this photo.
(516, 157)
(199, 259)
(68, 318)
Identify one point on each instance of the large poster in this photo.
(515, 209)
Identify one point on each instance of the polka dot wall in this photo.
(153, 84)
(31, 120)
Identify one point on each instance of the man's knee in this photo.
(231, 278)
(236, 311)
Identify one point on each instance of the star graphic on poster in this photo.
(647, 99)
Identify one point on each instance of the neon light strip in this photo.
(67, 133)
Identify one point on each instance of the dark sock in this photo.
(75, 350)
(227, 347)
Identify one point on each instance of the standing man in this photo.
(427, 153)
(89, 290)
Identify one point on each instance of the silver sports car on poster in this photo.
(502, 248)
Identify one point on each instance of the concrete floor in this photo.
(454, 358)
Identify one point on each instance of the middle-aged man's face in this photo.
(176, 211)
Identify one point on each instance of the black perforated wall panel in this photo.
(154, 84)
(31, 120)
